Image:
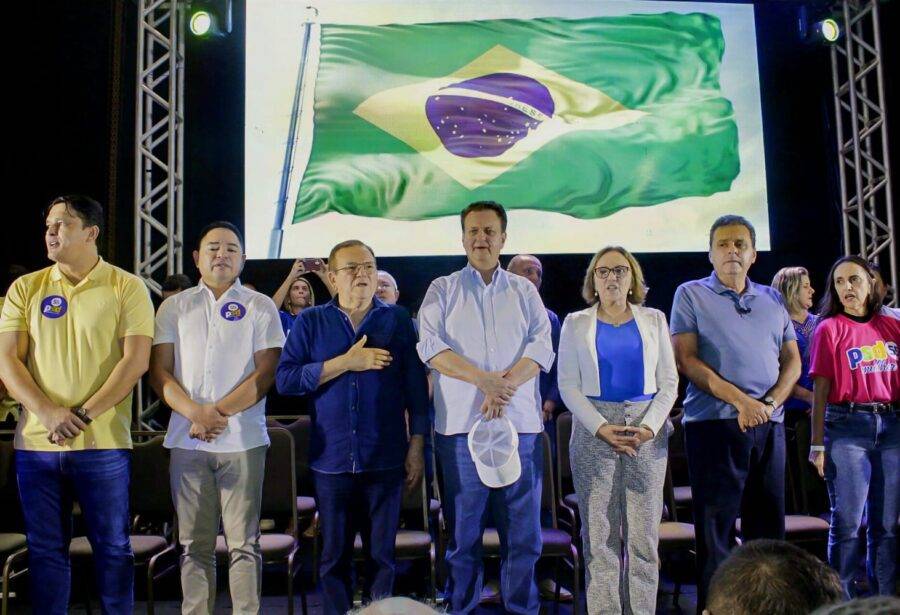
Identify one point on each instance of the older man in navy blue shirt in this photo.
(356, 358)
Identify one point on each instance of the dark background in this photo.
(71, 129)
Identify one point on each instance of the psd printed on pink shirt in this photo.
(880, 356)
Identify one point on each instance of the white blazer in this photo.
(579, 378)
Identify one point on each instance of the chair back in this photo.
(677, 453)
(415, 506)
(300, 431)
(548, 486)
(151, 490)
(279, 489)
(563, 466)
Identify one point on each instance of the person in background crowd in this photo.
(797, 294)
(528, 266)
(296, 293)
(214, 358)
(734, 342)
(617, 373)
(883, 290)
(771, 577)
(856, 423)
(74, 340)
(300, 296)
(485, 335)
(356, 358)
(174, 284)
(387, 289)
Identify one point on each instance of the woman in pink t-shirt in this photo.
(856, 422)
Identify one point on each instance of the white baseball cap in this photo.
(494, 446)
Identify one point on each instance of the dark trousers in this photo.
(733, 473)
(368, 503)
(48, 484)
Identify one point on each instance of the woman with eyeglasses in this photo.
(617, 374)
(856, 427)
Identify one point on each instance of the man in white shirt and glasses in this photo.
(214, 357)
(486, 336)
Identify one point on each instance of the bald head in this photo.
(387, 289)
(527, 266)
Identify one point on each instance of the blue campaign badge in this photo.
(54, 306)
(233, 311)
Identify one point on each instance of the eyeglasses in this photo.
(620, 272)
(355, 267)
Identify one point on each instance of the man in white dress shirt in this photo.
(214, 357)
(486, 336)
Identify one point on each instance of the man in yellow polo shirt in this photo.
(74, 340)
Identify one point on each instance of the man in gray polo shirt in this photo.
(734, 341)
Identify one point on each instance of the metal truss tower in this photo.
(159, 140)
(862, 132)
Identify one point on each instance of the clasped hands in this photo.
(624, 439)
(752, 412)
(207, 422)
(498, 391)
(62, 424)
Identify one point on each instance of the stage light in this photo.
(201, 22)
(828, 29)
(210, 18)
(818, 25)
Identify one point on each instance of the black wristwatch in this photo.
(770, 401)
(82, 414)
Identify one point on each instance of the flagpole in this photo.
(278, 227)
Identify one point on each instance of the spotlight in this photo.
(818, 25)
(201, 23)
(828, 29)
(210, 18)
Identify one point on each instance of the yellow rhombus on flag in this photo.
(401, 112)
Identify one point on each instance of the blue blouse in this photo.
(620, 362)
(804, 333)
(287, 320)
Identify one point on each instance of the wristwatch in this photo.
(82, 414)
(770, 401)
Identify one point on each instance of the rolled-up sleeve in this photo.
(539, 344)
(431, 322)
(297, 374)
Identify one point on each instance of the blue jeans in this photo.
(862, 471)
(733, 473)
(368, 503)
(99, 480)
(516, 510)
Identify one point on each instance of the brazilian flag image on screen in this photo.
(582, 117)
